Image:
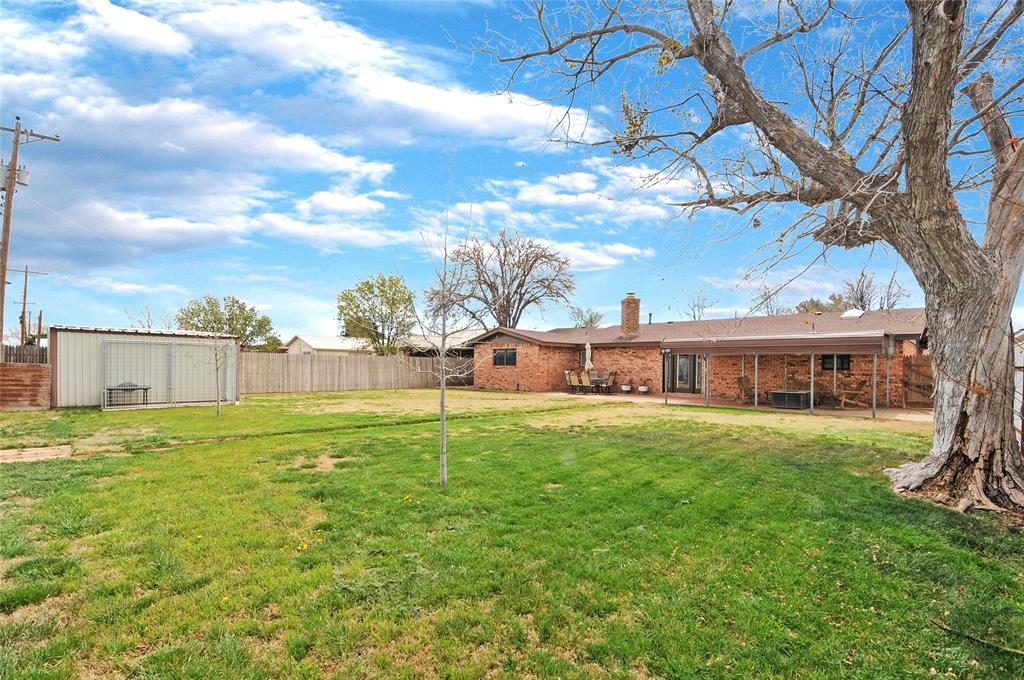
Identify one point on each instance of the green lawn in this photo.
(305, 536)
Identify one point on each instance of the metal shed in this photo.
(141, 367)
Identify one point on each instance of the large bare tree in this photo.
(858, 123)
(507, 274)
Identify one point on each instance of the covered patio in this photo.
(816, 389)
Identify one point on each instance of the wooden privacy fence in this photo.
(263, 372)
(24, 354)
(918, 382)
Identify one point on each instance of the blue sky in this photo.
(281, 152)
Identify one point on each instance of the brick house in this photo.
(775, 352)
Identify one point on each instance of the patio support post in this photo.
(835, 362)
(812, 383)
(874, 384)
(666, 362)
(755, 381)
(707, 380)
(888, 392)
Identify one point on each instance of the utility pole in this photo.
(39, 329)
(9, 189)
(25, 321)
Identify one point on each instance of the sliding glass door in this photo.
(685, 373)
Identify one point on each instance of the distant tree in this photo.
(861, 292)
(766, 301)
(698, 305)
(893, 294)
(379, 310)
(586, 318)
(508, 274)
(231, 316)
(835, 303)
(143, 318)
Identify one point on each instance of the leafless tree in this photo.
(143, 318)
(507, 274)
(765, 300)
(893, 293)
(586, 317)
(445, 315)
(698, 305)
(861, 292)
(851, 136)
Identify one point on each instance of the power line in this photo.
(15, 176)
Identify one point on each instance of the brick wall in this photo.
(632, 365)
(24, 387)
(538, 368)
(541, 369)
(775, 372)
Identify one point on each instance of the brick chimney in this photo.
(630, 324)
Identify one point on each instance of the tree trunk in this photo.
(975, 461)
(444, 427)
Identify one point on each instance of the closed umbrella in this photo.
(588, 364)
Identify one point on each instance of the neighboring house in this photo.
(458, 344)
(320, 344)
(847, 348)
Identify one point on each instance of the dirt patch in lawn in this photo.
(111, 440)
(425, 402)
(322, 463)
(32, 455)
(637, 414)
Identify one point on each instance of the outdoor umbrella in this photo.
(588, 364)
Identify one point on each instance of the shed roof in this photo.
(894, 322)
(173, 332)
(456, 340)
(331, 343)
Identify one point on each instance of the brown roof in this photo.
(895, 322)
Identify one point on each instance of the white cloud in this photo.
(330, 235)
(197, 131)
(130, 226)
(388, 83)
(130, 30)
(24, 45)
(109, 285)
(338, 201)
(595, 256)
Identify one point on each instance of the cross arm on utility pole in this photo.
(32, 134)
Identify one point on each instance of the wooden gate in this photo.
(918, 382)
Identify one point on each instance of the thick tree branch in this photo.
(993, 120)
(978, 53)
(717, 55)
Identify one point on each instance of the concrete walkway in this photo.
(909, 414)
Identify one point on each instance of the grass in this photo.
(306, 537)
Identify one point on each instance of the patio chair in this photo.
(823, 394)
(586, 384)
(609, 382)
(848, 396)
(746, 394)
(799, 385)
(574, 382)
(568, 382)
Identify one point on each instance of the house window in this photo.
(504, 357)
(583, 358)
(842, 362)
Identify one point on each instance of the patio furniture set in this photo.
(797, 394)
(590, 382)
